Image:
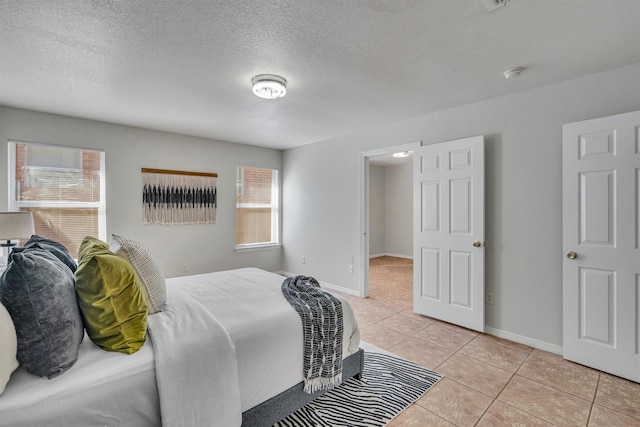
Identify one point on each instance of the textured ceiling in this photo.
(186, 66)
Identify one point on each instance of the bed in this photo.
(114, 389)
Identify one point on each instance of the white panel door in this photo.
(448, 223)
(601, 239)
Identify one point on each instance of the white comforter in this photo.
(196, 367)
(114, 389)
(265, 330)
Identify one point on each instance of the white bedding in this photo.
(121, 392)
(251, 320)
(264, 328)
(196, 372)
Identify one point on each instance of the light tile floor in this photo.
(488, 381)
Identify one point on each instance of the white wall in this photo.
(523, 193)
(206, 247)
(377, 210)
(399, 210)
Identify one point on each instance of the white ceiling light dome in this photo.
(402, 154)
(269, 86)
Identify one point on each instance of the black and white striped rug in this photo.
(388, 386)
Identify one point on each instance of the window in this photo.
(257, 212)
(63, 187)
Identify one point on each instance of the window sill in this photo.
(257, 247)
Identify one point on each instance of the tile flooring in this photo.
(488, 381)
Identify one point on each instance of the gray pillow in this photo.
(38, 291)
(56, 248)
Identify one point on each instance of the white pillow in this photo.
(145, 264)
(8, 349)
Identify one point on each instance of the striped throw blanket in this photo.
(322, 327)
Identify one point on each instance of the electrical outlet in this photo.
(184, 268)
(304, 259)
(488, 298)
(350, 268)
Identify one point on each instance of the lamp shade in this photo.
(16, 225)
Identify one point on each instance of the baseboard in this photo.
(340, 289)
(327, 285)
(284, 273)
(540, 345)
(390, 254)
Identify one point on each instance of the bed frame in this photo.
(275, 409)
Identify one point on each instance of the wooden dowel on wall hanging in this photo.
(172, 172)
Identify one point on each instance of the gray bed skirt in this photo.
(273, 410)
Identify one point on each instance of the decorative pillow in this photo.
(153, 287)
(57, 249)
(110, 298)
(37, 291)
(8, 349)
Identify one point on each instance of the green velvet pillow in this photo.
(112, 305)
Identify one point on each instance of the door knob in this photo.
(572, 255)
(477, 244)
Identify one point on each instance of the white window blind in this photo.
(257, 207)
(63, 187)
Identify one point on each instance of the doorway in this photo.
(448, 212)
(387, 242)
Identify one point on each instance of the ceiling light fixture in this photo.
(513, 73)
(269, 86)
(492, 5)
(402, 154)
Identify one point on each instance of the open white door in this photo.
(601, 239)
(448, 224)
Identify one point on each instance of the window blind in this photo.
(63, 187)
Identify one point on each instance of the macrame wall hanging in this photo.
(179, 197)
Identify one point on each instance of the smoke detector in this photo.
(492, 5)
(513, 73)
